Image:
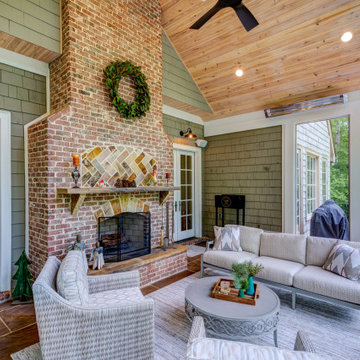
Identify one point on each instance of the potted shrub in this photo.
(252, 269)
(241, 272)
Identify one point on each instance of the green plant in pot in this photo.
(253, 269)
(244, 285)
(241, 272)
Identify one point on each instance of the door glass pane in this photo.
(183, 207)
(189, 177)
(189, 162)
(183, 223)
(183, 177)
(189, 207)
(183, 192)
(189, 222)
(189, 193)
(182, 161)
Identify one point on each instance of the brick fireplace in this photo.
(94, 34)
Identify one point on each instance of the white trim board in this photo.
(5, 200)
(168, 110)
(197, 186)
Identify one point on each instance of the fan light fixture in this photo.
(346, 36)
(188, 134)
(239, 72)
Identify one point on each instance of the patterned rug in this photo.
(334, 330)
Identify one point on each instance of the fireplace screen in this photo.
(125, 236)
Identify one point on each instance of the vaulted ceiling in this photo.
(294, 54)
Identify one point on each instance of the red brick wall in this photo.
(95, 34)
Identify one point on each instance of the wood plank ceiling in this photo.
(294, 54)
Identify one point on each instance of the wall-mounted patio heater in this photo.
(226, 201)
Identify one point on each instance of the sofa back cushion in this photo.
(353, 244)
(72, 283)
(284, 246)
(249, 238)
(318, 250)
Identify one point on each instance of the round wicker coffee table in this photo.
(230, 320)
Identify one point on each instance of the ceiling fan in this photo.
(244, 14)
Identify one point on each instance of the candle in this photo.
(167, 175)
(76, 160)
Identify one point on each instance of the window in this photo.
(310, 184)
(324, 180)
(298, 174)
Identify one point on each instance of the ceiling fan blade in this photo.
(246, 17)
(206, 17)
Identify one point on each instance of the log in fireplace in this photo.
(125, 236)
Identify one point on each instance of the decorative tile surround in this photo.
(110, 163)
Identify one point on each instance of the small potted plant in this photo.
(241, 272)
(252, 269)
(244, 285)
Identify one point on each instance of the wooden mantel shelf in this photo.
(78, 194)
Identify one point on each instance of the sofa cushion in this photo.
(225, 259)
(216, 349)
(344, 260)
(278, 270)
(318, 250)
(72, 283)
(354, 244)
(249, 238)
(284, 246)
(227, 239)
(113, 298)
(323, 282)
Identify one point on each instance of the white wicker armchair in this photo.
(69, 331)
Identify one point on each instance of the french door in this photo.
(184, 177)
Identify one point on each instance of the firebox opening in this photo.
(125, 236)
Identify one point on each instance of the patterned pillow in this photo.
(227, 239)
(345, 261)
(71, 281)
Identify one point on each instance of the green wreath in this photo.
(113, 74)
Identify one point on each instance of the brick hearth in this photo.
(95, 34)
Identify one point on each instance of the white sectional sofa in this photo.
(292, 262)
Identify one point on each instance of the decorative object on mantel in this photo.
(154, 175)
(22, 276)
(97, 255)
(77, 244)
(125, 183)
(113, 75)
(188, 134)
(75, 173)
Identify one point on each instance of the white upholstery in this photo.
(283, 246)
(323, 282)
(72, 283)
(318, 249)
(115, 298)
(216, 349)
(225, 259)
(249, 238)
(280, 271)
(354, 244)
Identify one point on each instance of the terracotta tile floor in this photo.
(18, 323)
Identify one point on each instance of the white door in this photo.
(184, 199)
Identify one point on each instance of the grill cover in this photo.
(330, 221)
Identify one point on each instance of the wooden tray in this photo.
(233, 293)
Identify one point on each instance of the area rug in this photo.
(334, 330)
(195, 250)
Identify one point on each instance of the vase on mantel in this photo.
(251, 289)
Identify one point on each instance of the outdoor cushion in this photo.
(284, 246)
(72, 283)
(278, 270)
(354, 244)
(249, 238)
(227, 239)
(225, 259)
(318, 249)
(216, 349)
(323, 282)
(113, 298)
(344, 260)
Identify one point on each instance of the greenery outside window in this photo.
(310, 184)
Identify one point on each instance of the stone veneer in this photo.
(95, 34)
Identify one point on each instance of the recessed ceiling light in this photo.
(346, 36)
(239, 72)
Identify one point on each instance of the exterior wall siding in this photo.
(173, 125)
(312, 139)
(246, 163)
(24, 95)
(37, 22)
(177, 82)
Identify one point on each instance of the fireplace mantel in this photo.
(78, 194)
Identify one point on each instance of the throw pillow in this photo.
(345, 261)
(227, 239)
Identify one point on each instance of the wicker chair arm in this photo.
(303, 342)
(197, 329)
(99, 283)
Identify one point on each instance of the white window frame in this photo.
(324, 160)
(300, 197)
(315, 186)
